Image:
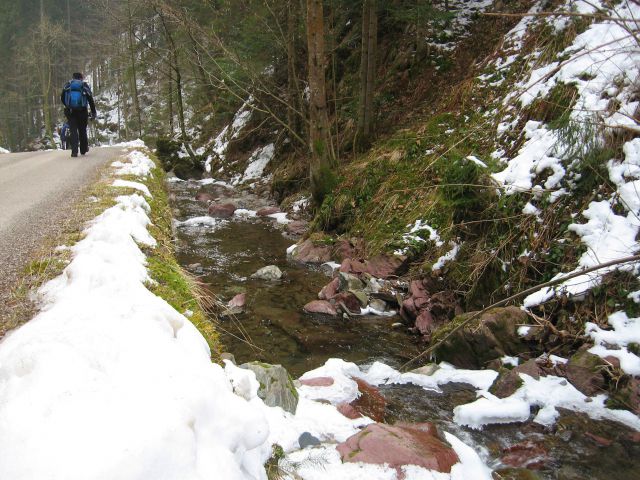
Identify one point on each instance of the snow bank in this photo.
(135, 185)
(4, 150)
(614, 342)
(132, 144)
(546, 393)
(259, 159)
(109, 381)
(139, 165)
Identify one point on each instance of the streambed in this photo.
(225, 253)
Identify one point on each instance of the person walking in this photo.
(77, 98)
(65, 136)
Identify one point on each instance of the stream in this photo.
(224, 254)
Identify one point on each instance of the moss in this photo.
(170, 281)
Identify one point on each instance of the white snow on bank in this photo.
(4, 150)
(615, 342)
(132, 144)
(548, 394)
(220, 144)
(135, 185)
(257, 163)
(138, 164)
(417, 234)
(446, 258)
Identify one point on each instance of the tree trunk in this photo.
(322, 156)
(367, 73)
(292, 84)
(132, 56)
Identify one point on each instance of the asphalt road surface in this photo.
(37, 192)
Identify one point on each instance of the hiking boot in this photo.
(74, 154)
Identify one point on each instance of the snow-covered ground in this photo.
(4, 150)
(109, 381)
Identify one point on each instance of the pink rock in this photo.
(320, 306)
(343, 249)
(225, 210)
(307, 252)
(238, 301)
(263, 212)
(317, 381)
(384, 266)
(351, 265)
(398, 445)
(424, 322)
(204, 197)
(297, 228)
(348, 411)
(527, 454)
(349, 300)
(408, 310)
(329, 290)
(370, 403)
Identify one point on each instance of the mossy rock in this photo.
(491, 336)
(276, 385)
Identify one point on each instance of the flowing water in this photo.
(275, 330)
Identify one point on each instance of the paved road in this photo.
(37, 190)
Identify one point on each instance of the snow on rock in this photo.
(548, 394)
(205, 221)
(615, 342)
(257, 163)
(220, 144)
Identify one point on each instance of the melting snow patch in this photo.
(138, 164)
(416, 235)
(135, 185)
(201, 221)
(615, 342)
(4, 150)
(257, 163)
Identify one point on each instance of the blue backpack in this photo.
(75, 95)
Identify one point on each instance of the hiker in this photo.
(65, 136)
(76, 97)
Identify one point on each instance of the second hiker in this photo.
(77, 98)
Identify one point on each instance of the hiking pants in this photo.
(78, 120)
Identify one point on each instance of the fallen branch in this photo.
(551, 283)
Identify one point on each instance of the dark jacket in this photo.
(87, 90)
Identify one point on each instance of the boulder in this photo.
(493, 335)
(330, 290)
(527, 454)
(238, 301)
(385, 266)
(350, 265)
(263, 212)
(297, 228)
(348, 410)
(349, 282)
(321, 307)
(378, 304)
(508, 381)
(343, 249)
(349, 300)
(398, 445)
(584, 371)
(329, 268)
(425, 323)
(270, 273)
(204, 197)
(276, 386)
(225, 210)
(370, 402)
(308, 252)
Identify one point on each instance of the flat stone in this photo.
(398, 445)
(263, 212)
(317, 381)
(320, 306)
(348, 411)
(225, 210)
(238, 301)
(308, 252)
(370, 402)
(378, 304)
